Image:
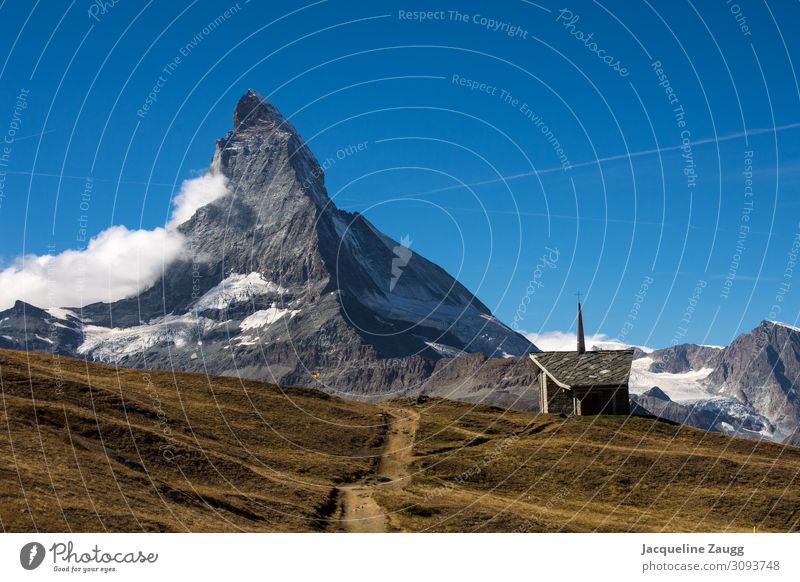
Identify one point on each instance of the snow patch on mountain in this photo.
(444, 350)
(740, 419)
(685, 398)
(266, 317)
(684, 387)
(110, 344)
(237, 288)
(786, 325)
(63, 314)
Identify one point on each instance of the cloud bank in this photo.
(195, 194)
(117, 263)
(561, 341)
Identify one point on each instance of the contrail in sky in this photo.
(650, 152)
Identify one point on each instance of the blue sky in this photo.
(461, 117)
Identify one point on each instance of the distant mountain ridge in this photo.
(762, 369)
(684, 358)
(748, 387)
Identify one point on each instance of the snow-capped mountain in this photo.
(279, 284)
(682, 358)
(726, 415)
(762, 369)
(748, 388)
(686, 396)
(25, 327)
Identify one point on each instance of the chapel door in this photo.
(592, 403)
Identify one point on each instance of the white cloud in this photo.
(196, 193)
(116, 264)
(561, 341)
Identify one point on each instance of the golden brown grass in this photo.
(85, 447)
(485, 469)
(131, 450)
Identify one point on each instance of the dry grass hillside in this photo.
(85, 447)
(129, 450)
(486, 469)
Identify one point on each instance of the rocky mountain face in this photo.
(762, 369)
(684, 358)
(280, 285)
(749, 387)
(506, 382)
(724, 415)
(26, 327)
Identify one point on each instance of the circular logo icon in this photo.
(31, 555)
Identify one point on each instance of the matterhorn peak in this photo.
(281, 283)
(253, 109)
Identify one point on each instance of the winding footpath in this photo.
(360, 512)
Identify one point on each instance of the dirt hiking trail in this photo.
(360, 513)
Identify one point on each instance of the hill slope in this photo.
(93, 449)
(85, 447)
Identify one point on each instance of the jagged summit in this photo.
(23, 307)
(787, 326)
(253, 109)
(264, 154)
(656, 392)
